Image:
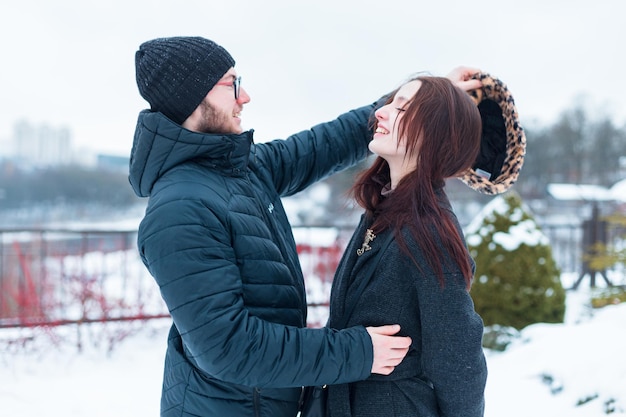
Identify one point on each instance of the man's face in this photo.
(220, 112)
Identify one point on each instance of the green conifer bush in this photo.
(517, 281)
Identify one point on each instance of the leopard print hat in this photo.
(503, 143)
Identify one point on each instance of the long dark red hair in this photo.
(442, 128)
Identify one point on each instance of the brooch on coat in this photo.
(369, 237)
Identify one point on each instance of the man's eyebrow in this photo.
(228, 76)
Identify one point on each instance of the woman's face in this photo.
(386, 142)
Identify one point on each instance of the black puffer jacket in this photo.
(217, 241)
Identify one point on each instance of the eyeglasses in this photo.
(236, 85)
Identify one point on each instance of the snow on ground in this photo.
(571, 369)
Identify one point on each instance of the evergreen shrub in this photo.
(517, 281)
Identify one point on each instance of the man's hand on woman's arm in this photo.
(389, 350)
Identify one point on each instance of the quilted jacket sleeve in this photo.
(189, 252)
(314, 154)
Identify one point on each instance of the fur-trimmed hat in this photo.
(503, 143)
(175, 74)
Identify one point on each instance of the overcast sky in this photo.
(71, 62)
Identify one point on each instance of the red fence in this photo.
(55, 277)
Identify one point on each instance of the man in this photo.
(216, 239)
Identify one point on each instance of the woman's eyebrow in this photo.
(400, 100)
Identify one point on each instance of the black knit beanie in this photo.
(175, 74)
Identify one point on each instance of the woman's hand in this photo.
(462, 78)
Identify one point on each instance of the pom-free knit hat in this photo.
(503, 143)
(175, 74)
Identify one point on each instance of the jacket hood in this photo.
(160, 145)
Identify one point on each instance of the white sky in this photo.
(71, 62)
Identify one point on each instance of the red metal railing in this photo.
(59, 277)
(54, 277)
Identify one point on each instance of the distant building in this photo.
(41, 145)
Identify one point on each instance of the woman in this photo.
(428, 131)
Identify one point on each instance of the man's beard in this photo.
(214, 120)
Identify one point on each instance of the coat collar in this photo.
(160, 144)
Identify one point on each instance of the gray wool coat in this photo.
(444, 373)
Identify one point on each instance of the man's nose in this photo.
(243, 96)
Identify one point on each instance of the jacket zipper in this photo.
(271, 224)
(256, 400)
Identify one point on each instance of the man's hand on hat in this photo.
(462, 78)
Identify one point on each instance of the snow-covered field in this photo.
(572, 369)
